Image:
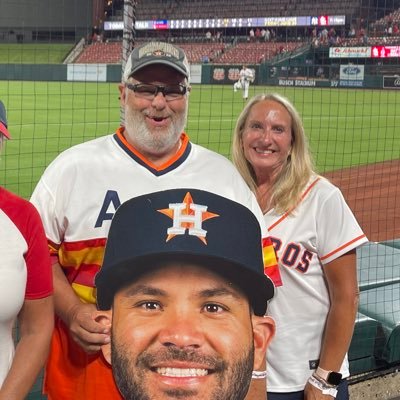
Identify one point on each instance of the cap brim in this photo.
(4, 131)
(258, 289)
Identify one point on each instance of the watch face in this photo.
(334, 378)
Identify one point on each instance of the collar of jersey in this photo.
(174, 162)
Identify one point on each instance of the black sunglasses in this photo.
(149, 92)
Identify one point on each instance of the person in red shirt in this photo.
(25, 290)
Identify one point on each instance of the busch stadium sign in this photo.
(297, 82)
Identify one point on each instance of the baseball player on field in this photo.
(246, 75)
(315, 235)
(82, 188)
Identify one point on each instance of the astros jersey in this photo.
(25, 270)
(321, 229)
(77, 198)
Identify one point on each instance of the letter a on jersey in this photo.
(187, 216)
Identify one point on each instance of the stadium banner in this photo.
(195, 73)
(225, 74)
(300, 82)
(351, 83)
(352, 72)
(386, 51)
(346, 83)
(350, 52)
(391, 82)
(87, 72)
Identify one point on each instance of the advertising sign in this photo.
(87, 72)
(391, 82)
(297, 82)
(352, 72)
(350, 52)
(385, 51)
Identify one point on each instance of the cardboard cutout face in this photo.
(184, 330)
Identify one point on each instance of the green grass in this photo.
(345, 127)
(39, 53)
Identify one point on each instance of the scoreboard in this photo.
(212, 23)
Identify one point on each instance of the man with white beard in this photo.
(82, 188)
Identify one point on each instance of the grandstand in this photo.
(178, 9)
(233, 45)
(103, 53)
(248, 53)
(255, 53)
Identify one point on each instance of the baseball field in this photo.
(346, 128)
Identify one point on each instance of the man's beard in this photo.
(157, 141)
(232, 383)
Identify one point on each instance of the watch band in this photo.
(324, 388)
(322, 373)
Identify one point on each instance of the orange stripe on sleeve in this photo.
(341, 247)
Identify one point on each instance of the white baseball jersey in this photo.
(81, 189)
(246, 74)
(245, 77)
(77, 197)
(321, 229)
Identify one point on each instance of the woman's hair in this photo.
(295, 174)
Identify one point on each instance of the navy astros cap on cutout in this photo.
(157, 53)
(3, 121)
(186, 225)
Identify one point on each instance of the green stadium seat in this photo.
(392, 243)
(378, 265)
(365, 352)
(383, 305)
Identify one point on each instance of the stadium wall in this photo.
(204, 74)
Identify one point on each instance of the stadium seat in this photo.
(392, 243)
(383, 304)
(107, 53)
(365, 352)
(378, 265)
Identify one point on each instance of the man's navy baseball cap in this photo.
(157, 53)
(185, 225)
(3, 121)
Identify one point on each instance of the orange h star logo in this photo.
(187, 216)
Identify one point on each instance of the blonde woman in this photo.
(315, 236)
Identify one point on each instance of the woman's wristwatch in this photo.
(326, 381)
(331, 377)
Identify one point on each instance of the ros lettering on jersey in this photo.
(293, 255)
